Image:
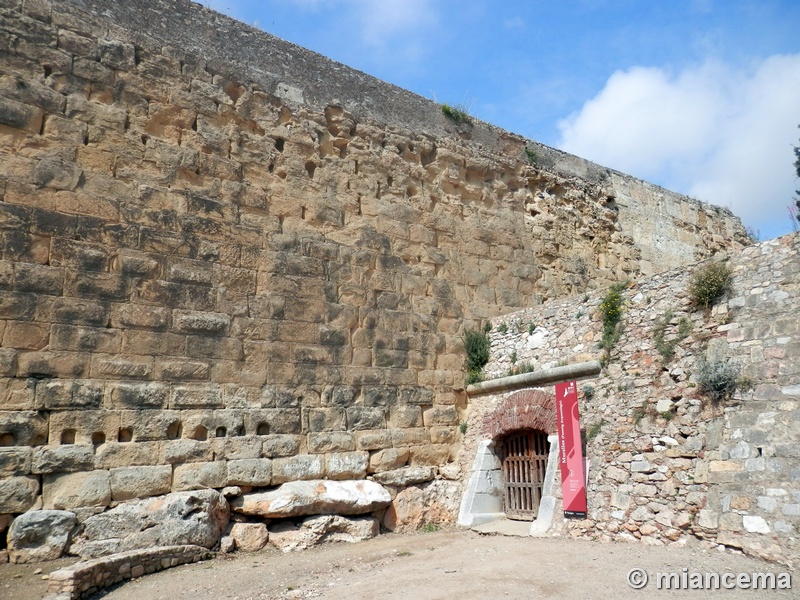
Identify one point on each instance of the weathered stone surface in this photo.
(62, 459)
(227, 544)
(140, 482)
(15, 461)
(195, 517)
(249, 537)
(75, 490)
(302, 466)
(327, 528)
(299, 498)
(250, 471)
(18, 494)
(414, 507)
(346, 465)
(450, 471)
(198, 476)
(40, 535)
(755, 524)
(405, 476)
(388, 459)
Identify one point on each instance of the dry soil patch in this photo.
(444, 564)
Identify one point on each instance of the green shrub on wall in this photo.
(709, 283)
(476, 345)
(611, 315)
(456, 113)
(664, 346)
(717, 380)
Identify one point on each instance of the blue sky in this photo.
(699, 96)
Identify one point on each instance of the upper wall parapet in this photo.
(301, 77)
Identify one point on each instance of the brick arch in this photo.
(527, 409)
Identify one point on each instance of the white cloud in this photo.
(715, 132)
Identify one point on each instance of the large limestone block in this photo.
(40, 535)
(250, 471)
(15, 461)
(18, 494)
(414, 507)
(62, 459)
(195, 517)
(196, 476)
(346, 465)
(388, 459)
(405, 476)
(293, 468)
(140, 482)
(250, 537)
(74, 490)
(298, 498)
(327, 528)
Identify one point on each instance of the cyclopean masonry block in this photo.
(73, 490)
(40, 535)
(299, 498)
(196, 517)
(208, 258)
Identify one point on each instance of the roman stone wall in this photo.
(666, 463)
(229, 261)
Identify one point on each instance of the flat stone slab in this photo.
(315, 497)
(405, 476)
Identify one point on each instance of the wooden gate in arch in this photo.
(524, 458)
(519, 427)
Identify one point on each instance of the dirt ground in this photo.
(443, 564)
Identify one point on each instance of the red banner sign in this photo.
(573, 482)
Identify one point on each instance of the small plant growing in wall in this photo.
(665, 347)
(588, 392)
(717, 380)
(523, 367)
(646, 409)
(476, 345)
(456, 113)
(594, 430)
(668, 415)
(531, 328)
(502, 328)
(708, 284)
(531, 156)
(611, 316)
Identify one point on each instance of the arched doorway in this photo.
(525, 413)
(523, 455)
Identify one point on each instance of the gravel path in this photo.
(443, 564)
(447, 564)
